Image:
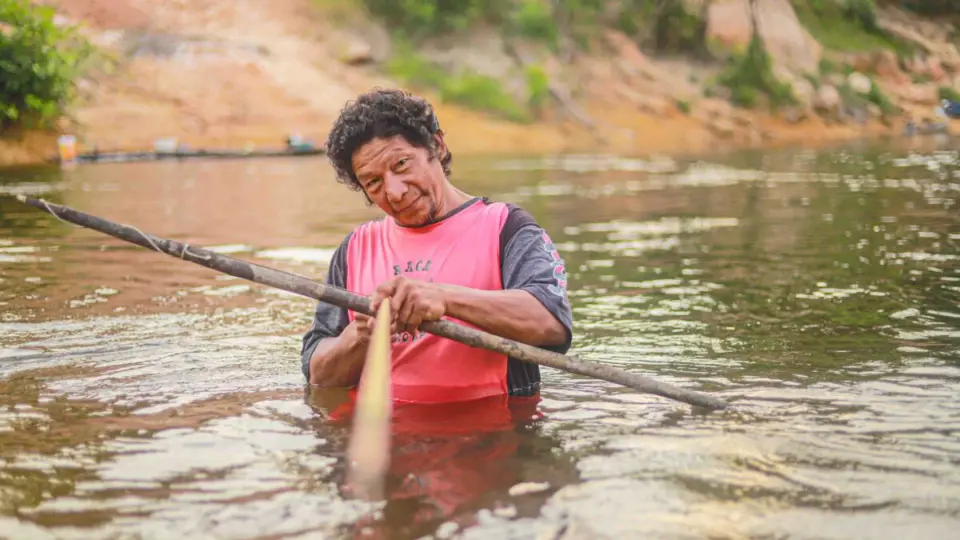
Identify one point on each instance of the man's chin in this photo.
(412, 220)
(417, 219)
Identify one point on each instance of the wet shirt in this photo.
(481, 244)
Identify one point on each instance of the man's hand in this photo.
(411, 302)
(363, 328)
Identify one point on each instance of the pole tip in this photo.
(22, 198)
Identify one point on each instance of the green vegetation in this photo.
(931, 7)
(39, 61)
(420, 18)
(947, 92)
(538, 87)
(881, 100)
(860, 100)
(534, 19)
(846, 25)
(664, 25)
(466, 88)
(750, 75)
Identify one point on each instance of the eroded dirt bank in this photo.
(231, 73)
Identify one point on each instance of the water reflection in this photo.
(817, 290)
(450, 461)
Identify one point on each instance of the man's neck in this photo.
(452, 199)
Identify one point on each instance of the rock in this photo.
(837, 79)
(787, 41)
(827, 99)
(950, 58)
(795, 115)
(874, 110)
(654, 105)
(626, 51)
(723, 128)
(920, 94)
(862, 62)
(916, 64)
(804, 91)
(355, 52)
(859, 83)
(934, 69)
(743, 119)
(712, 108)
(887, 66)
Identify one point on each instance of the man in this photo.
(437, 253)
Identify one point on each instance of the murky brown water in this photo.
(144, 397)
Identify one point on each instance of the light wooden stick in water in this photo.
(368, 453)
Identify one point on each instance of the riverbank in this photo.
(225, 75)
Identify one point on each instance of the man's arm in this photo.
(334, 348)
(513, 314)
(536, 279)
(338, 361)
(533, 307)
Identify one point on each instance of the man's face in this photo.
(401, 179)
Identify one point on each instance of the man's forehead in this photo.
(371, 154)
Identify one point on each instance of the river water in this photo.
(819, 291)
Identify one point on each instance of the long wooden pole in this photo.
(361, 304)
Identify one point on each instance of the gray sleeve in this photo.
(530, 262)
(328, 320)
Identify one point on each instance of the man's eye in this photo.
(402, 162)
(373, 182)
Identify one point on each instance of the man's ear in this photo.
(440, 144)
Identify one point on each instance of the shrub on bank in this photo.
(39, 60)
(751, 74)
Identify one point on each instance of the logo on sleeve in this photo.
(559, 269)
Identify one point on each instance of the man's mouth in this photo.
(409, 206)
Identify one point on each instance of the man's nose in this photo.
(395, 187)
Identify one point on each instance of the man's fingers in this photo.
(399, 300)
(413, 322)
(384, 290)
(407, 310)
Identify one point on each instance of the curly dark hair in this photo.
(382, 113)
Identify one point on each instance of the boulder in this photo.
(714, 108)
(934, 69)
(918, 94)
(804, 91)
(828, 98)
(859, 83)
(795, 115)
(723, 128)
(355, 52)
(887, 66)
(787, 41)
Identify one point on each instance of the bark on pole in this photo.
(360, 304)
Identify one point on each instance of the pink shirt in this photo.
(462, 249)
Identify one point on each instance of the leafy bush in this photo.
(538, 87)
(846, 25)
(466, 88)
(750, 74)
(931, 7)
(881, 100)
(39, 61)
(947, 92)
(420, 18)
(863, 12)
(534, 19)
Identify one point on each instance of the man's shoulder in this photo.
(515, 217)
(363, 229)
